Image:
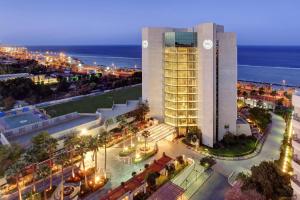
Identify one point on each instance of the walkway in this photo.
(159, 132)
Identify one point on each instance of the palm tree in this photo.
(61, 160)
(122, 125)
(15, 170)
(43, 147)
(51, 146)
(245, 95)
(261, 91)
(43, 172)
(145, 134)
(142, 110)
(103, 139)
(70, 144)
(134, 130)
(31, 160)
(274, 93)
(93, 145)
(82, 149)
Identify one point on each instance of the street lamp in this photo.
(83, 131)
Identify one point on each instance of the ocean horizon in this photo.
(272, 64)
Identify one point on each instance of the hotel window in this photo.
(180, 74)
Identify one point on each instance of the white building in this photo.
(296, 144)
(190, 77)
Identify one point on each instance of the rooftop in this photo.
(168, 191)
(25, 139)
(118, 109)
(138, 180)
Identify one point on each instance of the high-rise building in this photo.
(190, 77)
(295, 182)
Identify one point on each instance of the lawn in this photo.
(244, 147)
(92, 103)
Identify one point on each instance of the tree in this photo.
(229, 139)
(70, 143)
(253, 93)
(133, 130)
(15, 171)
(207, 161)
(43, 172)
(261, 91)
(51, 146)
(103, 139)
(9, 102)
(63, 85)
(61, 160)
(146, 135)
(142, 110)
(269, 181)
(239, 92)
(235, 193)
(93, 145)
(9, 154)
(260, 103)
(274, 93)
(151, 180)
(122, 124)
(42, 148)
(83, 149)
(245, 95)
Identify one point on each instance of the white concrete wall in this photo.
(152, 68)
(227, 82)
(206, 83)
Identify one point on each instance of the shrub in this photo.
(207, 161)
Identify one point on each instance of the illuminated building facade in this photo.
(295, 181)
(190, 77)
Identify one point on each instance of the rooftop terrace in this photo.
(56, 128)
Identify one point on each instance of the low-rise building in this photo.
(137, 184)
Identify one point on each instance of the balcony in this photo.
(296, 144)
(295, 185)
(296, 121)
(296, 165)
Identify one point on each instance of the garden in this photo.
(234, 146)
(91, 103)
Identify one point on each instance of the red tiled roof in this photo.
(137, 180)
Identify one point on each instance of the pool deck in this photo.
(25, 139)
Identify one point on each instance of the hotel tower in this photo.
(190, 77)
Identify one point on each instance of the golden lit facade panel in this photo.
(180, 86)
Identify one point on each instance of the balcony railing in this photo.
(295, 158)
(295, 180)
(296, 117)
(296, 138)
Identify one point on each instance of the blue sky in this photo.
(67, 22)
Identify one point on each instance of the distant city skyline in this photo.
(93, 22)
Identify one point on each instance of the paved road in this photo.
(270, 150)
(214, 188)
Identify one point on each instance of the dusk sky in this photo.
(79, 22)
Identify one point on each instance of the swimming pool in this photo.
(15, 121)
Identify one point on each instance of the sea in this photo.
(269, 64)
